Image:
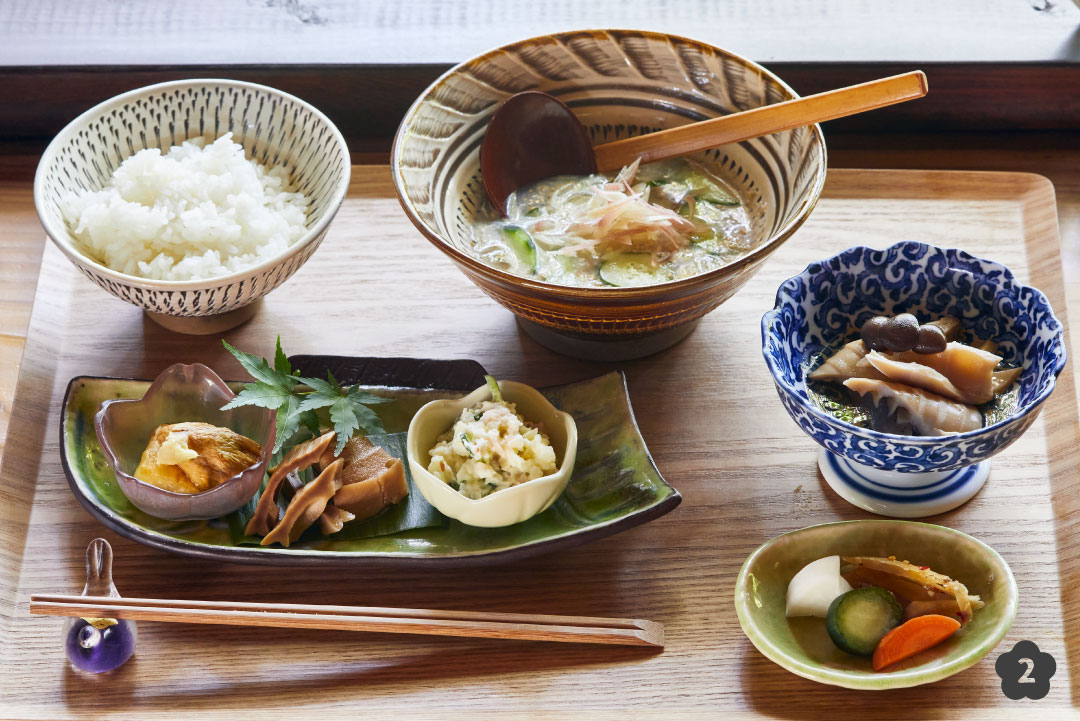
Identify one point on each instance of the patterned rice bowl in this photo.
(275, 129)
(895, 475)
(619, 83)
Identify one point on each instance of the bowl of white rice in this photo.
(193, 199)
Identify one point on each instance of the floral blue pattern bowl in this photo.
(908, 476)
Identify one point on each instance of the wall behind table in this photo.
(368, 101)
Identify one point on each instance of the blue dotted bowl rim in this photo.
(62, 236)
(1008, 279)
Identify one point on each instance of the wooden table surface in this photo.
(746, 471)
(648, 569)
(1056, 156)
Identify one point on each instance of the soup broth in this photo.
(661, 222)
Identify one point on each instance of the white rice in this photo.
(198, 211)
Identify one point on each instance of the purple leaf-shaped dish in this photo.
(182, 393)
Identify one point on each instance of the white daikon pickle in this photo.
(814, 587)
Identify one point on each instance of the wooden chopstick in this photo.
(479, 624)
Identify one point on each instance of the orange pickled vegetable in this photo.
(913, 637)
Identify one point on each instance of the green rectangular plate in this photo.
(615, 484)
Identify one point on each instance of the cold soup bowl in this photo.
(619, 83)
(826, 304)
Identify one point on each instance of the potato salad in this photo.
(489, 448)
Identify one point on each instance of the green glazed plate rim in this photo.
(883, 681)
(371, 559)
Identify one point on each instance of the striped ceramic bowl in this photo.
(275, 128)
(619, 83)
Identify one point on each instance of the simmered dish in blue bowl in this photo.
(911, 366)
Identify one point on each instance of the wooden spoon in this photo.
(533, 136)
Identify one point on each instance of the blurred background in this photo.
(994, 65)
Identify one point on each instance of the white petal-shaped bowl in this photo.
(510, 505)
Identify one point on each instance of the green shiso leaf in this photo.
(281, 361)
(288, 421)
(258, 368)
(272, 387)
(260, 394)
(277, 388)
(348, 410)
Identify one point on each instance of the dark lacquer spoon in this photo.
(533, 136)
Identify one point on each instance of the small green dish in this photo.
(803, 646)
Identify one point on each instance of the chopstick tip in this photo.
(652, 632)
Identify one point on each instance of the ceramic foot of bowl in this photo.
(599, 348)
(901, 495)
(206, 324)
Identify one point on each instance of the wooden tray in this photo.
(707, 410)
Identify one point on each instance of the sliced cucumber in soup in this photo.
(705, 188)
(710, 245)
(522, 244)
(721, 198)
(858, 619)
(629, 270)
(555, 268)
(709, 241)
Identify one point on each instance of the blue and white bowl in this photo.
(825, 305)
